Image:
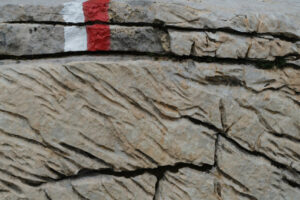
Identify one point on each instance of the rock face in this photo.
(96, 187)
(149, 99)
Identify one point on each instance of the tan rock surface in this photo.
(276, 17)
(141, 114)
(224, 45)
(92, 188)
(257, 175)
(152, 99)
(42, 108)
(187, 184)
(238, 175)
(39, 39)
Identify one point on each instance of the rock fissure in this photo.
(291, 183)
(157, 172)
(165, 28)
(261, 64)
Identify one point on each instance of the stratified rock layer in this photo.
(239, 15)
(24, 39)
(153, 99)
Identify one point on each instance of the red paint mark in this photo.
(98, 37)
(96, 10)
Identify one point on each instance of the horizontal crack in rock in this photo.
(279, 62)
(158, 172)
(161, 25)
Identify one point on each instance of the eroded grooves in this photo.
(153, 100)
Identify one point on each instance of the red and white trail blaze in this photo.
(91, 37)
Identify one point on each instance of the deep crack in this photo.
(262, 64)
(158, 172)
(163, 26)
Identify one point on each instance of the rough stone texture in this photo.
(192, 184)
(257, 175)
(19, 12)
(240, 15)
(137, 115)
(240, 176)
(187, 184)
(192, 100)
(124, 127)
(33, 39)
(24, 39)
(224, 45)
(92, 188)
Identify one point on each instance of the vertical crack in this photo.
(159, 175)
(47, 195)
(218, 190)
(216, 150)
(223, 115)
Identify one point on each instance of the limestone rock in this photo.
(141, 114)
(224, 45)
(24, 39)
(192, 184)
(257, 175)
(265, 105)
(93, 188)
(131, 118)
(239, 15)
(238, 175)
(152, 99)
(186, 184)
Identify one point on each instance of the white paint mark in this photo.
(73, 11)
(75, 39)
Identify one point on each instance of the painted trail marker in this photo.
(88, 38)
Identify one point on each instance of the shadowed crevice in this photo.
(291, 182)
(279, 62)
(163, 26)
(158, 172)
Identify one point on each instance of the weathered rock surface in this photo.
(24, 39)
(141, 114)
(240, 15)
(192, 184)
(153, 99)
(224, 45)
(187, 184)
(93, 188)
(124, 127)
(256, 175)
(239, 176)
